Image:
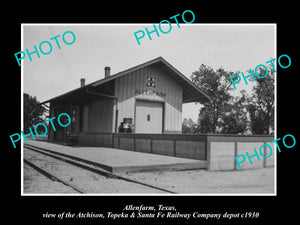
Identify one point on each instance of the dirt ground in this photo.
(36, 183)
(88, 182)
(252, 181)
(258, 181)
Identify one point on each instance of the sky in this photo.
(235, 47)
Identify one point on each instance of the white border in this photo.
(141, 24)
(22, 112)
(275, 114)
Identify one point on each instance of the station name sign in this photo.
(150, 92)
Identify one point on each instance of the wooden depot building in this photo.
(147, 99)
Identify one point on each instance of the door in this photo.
(149, 117)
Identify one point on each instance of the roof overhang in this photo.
(191, 93)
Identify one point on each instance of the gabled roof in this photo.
(191, 93)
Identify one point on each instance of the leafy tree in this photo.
(223, 113)
(235, 121)
(33, 113)
(235, 115)
(188, 126)
(261, 103)
(205, 120)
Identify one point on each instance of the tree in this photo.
(33, 113)
(235, 121)
(205, 120)
(223, 113)
(188, 126)
(261, 103)
(235, 115)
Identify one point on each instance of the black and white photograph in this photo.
(162, 117)
(133, 115)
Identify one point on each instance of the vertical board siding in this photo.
(126, 86)
(85, 117)
(190, 149)
(100, 116)
(95, 139)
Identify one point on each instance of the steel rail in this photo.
(52, 177)
(90, 166)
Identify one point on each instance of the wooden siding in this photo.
(85, 118)
(100, 116)
(132, 86)
(177, 145)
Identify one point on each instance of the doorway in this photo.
(149, 117)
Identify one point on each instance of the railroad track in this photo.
(84, 165)
(53, 177)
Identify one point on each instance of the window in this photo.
(73, 120)
(73, 115)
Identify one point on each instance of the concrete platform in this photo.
(116, 160)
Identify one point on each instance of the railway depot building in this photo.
(147, 98)
(140, 109)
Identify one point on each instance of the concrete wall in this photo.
(223, 148)
(221, 156)
(218, 150)
(270, 161)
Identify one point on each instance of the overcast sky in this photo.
(233, 47)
